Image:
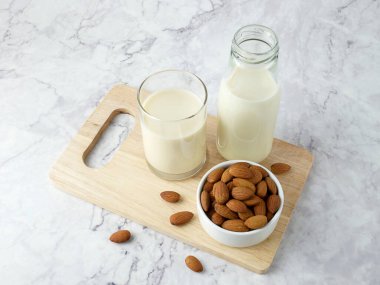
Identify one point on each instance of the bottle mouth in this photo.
(255, 44)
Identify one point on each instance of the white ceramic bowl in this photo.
(237, 239)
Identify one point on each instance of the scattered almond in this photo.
(242, 193)
(271, 185)
(221, 192)
(236, 225)
(215, 175)
(273, 203)
(194, 264)
(181, 218)
(256, 222)
(237, 206)
(205, 200)
(280, 168)
(170, 196)
(120, 236)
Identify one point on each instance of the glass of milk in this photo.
(173, 115)
(249, 96)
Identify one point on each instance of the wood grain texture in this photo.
(128, 188)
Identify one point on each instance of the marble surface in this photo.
(57, 60)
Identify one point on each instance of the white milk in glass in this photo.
(247, 111)
(173, 142)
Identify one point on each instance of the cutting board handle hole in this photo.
(109, 139)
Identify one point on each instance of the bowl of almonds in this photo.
(239, 203)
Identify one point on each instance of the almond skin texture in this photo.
(262, 189)
(255, 200)
(280, 168)
(208, 186)
(256, 222)
(215, 175)
(236, 225)
(205, 200)
(221, 192)
(217, 219)
(181, 218)
(240, 182)
(120, 236)
(170, 196)
(271, 185)
(194, 264)
(240, 164)
(225, 212)
(237, 206)
(264, 173)
(242, 193)
(273, 203)
(260, 209)
(256, 176)
(246, 215)
(240, 172)
(226, 176)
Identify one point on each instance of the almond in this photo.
(237, 206)
(217, 219)
(225, 212)
(264, 173)
(181, 218)
(240, 171)
(280, 168)
(170, 196)
(261, 189)
(273, 203)
(235, 226)
(269, 216)
(242, 193)
(256, 222)
(193, 263)
(230, 185)
(240, 164)
(208, 186)
(120, 236)
(215, 175)
(255, 200)
(221, 192)
(245, 215)
(211, 194)
(260, 209)
(226, 176)
(240, 182)
(256, 176)
(271, 185)
(205, 200)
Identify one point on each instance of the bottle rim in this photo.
(255, 32)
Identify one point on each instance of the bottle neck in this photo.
(255, 46)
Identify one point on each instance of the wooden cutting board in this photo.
(128, 188)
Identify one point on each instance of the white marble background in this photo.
(57, 60)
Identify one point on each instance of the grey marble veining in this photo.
(57, 60)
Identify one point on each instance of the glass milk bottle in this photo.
(249, 96)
